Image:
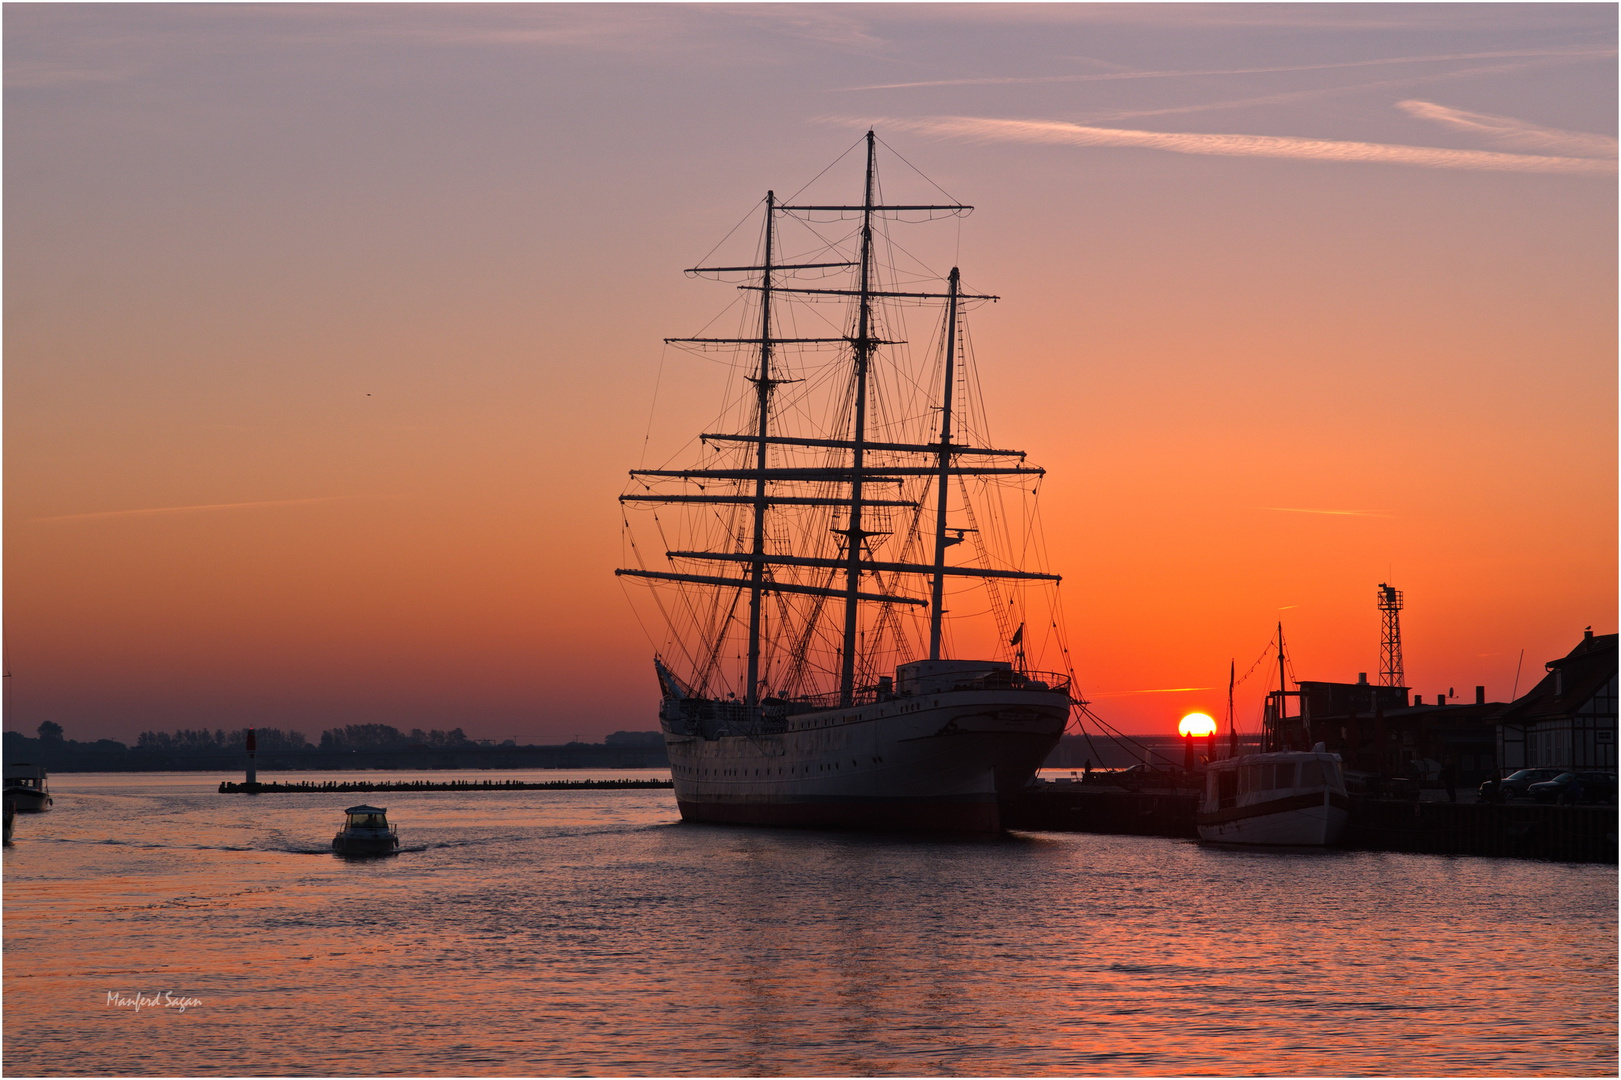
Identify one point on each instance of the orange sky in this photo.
(384, 289)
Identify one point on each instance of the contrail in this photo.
(981, 129)
(1516, 134)
(1166, 690)
(185, 509)
(1112, 76)
(1335, 513)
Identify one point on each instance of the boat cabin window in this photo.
(1270, 776)
(1226, 785)
(367, 821)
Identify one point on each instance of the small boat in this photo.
(1290, 797)
(26, 790)
(1281, 796)
(366, 832)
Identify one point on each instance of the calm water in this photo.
(580, 932)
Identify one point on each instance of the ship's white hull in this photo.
(939, 761)
(1283, 822)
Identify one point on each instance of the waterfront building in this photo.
(1361, 698)
(1568, 720)
(1375, 729)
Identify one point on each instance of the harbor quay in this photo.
(1418, 821)
(1533, 777)
(1115, 803)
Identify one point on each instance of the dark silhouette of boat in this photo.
(366, 831)
(808, 555)
(27, 789)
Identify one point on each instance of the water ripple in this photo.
(584, 933)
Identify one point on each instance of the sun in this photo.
(1196, 724)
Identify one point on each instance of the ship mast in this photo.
(938, 586)
(757, 577)
(854, 535)
(762, 387)
(1232, 726)
(1283, 689)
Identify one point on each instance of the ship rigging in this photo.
(857, 476)
(810, 546)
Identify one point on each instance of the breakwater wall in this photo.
(309, 787)
(1516, 830)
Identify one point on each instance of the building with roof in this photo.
(1375, 729)
(1324, 699)
(1568, 720)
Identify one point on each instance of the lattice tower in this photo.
(1390, 662)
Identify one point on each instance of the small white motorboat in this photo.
(1288, 797)
(366, 832)
(25, 788)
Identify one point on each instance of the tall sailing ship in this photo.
(844, 505)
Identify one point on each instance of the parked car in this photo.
(1141, 775)
(1576, 787)
(1515, 784)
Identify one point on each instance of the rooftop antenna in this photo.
(1390, 662)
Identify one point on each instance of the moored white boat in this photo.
(1288, 797)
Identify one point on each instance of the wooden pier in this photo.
(318, 787)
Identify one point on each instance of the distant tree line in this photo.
(186, 741)
(350, 746)
(635, 738)
(50, 736)
(384, 737)
(269, 740)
